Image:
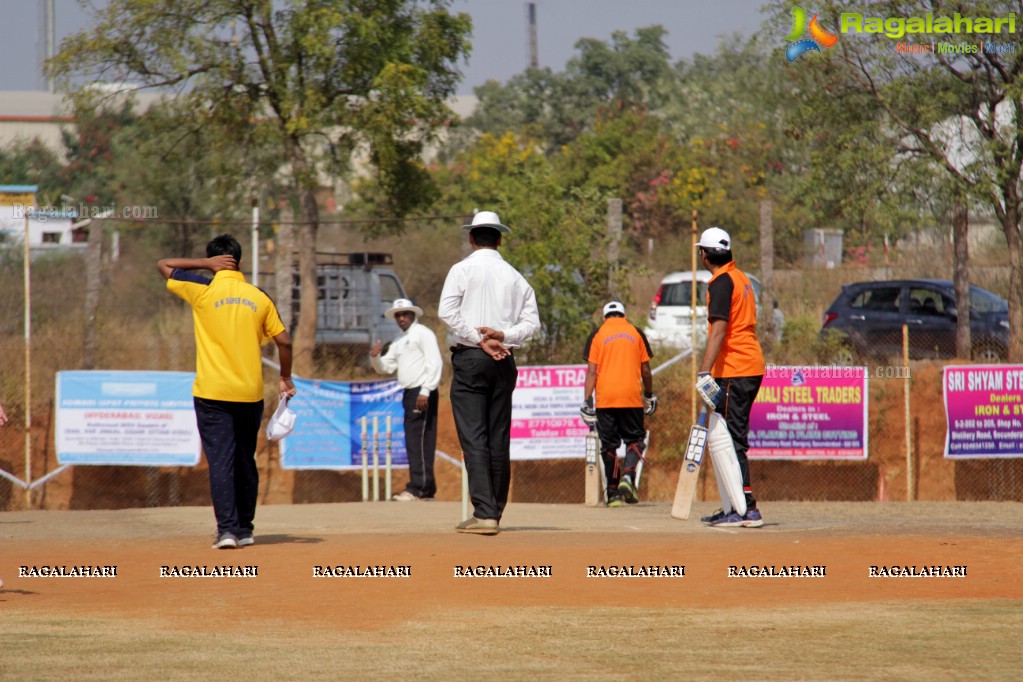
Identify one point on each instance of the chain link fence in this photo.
(896, 469)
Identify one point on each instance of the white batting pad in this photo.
(726, 465)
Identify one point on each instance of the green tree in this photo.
(886, 120)
(30, 162)
(558, 107)
(733, 116)
(557, 233)
(194, 173)
(89, 149)
(327, 76)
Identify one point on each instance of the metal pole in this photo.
(28, 366)
(614, 240)
(365, 470)
(534, 54)
(376, 458)
(255, 241)
(51, 39)
(910, 474)
(692, 325)
(387, 460)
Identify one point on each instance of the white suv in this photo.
(668, 322)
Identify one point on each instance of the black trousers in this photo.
(228, 432)
(420, 442)
(739, 394)
(481, 402)
(617, 425)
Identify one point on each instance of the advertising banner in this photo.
(545, 413)
(329, 424)
(810, 413)
(983, 410)
(128, 418)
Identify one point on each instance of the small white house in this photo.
(49, 227)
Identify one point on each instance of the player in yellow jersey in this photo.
(232, 318)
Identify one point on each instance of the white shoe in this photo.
(404, 496)
(225, 541)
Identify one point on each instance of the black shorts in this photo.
(616, 425)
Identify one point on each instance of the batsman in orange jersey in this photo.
(618, 372)
(729, 379)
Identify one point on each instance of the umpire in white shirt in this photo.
(416, 356)
(491, 310)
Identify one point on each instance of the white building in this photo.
(49, 227)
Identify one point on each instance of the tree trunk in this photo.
(93, 272)
(304, 179)
(284, 265)
(614, 240)
(304, 342)
(1011, 227)
(961, 277)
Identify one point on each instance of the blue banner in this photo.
(329, 427)
(125, 417)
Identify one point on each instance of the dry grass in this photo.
(867, 641)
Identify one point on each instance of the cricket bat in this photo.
(685, 491)
(594, 488)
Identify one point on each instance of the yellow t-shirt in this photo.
(232, 319)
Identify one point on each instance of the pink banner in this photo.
(983, 411)
(814, 412)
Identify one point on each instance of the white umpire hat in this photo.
(402, 305)
(614, 307)
(715, 238)
(282, 422)
(487, 219)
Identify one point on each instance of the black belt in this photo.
(461, 346)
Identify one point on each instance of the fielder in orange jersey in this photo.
(618, 370)
(729, 379)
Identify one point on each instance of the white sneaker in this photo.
(225, 541)
(404, 496)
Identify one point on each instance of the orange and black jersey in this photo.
(619, 350)
(589, 342)
(730, 297)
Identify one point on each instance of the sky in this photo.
(500, 34)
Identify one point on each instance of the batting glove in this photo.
(708, 389)
(649, 404)
(588, 412)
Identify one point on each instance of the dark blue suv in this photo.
(870, 316)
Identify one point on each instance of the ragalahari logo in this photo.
(818, 36)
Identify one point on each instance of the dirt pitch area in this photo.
(287, 623)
